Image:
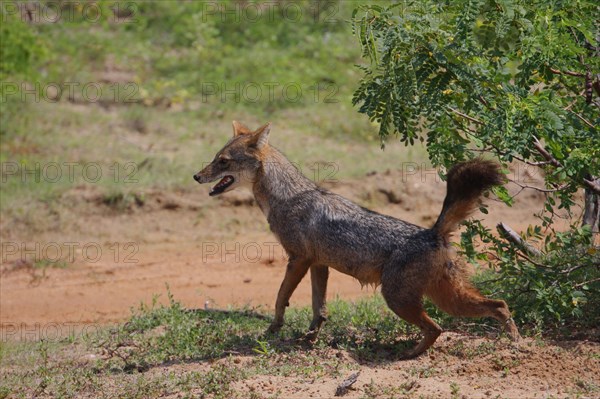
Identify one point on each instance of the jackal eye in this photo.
(223, 161)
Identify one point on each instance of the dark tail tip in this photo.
(466, 181)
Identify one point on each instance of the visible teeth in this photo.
(225, 181)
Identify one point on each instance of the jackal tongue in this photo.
(221, 185)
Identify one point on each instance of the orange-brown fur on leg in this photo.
(296, 269)
(452, 292)
(403, 289)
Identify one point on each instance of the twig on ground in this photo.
(342, 389)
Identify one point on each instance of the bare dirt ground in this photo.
(460, 367)
(218, 252)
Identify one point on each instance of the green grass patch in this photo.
(158, 336)
(167, 349)
(170, 82)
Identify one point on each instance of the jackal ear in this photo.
(239, 129)
(261, 136)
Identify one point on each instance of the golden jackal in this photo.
(320, 229)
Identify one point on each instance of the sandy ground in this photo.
(524, 371)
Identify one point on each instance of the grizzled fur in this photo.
(320, 229)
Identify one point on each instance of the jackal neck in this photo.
(278, 180)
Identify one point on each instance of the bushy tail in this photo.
(465, 184)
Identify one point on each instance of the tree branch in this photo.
(483, 101)
(547, 156)
(590, 124)
(543, 190)
(594, 280)
(470, 118)
(528, 259)
(570, 73)
(512, 236)
(577, 267)
(592, 185)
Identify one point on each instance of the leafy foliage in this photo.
(21, 50)
(518, 81)
(559, 285)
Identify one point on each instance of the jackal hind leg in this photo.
(318, 277)
(296, 270)
(456, 296)
(403, 293)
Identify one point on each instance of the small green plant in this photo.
(43, 367)
(121, 201)
(217, 381)
(263, 348)
(22, 49)
(45, 264)
(454, 390)
(587, 387)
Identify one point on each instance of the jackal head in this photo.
(237, 163)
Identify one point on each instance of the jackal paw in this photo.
(274, 328)
(410, 354)
(514, 336)
(511, 330)
(311, 335)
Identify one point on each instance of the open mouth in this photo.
(221, 185)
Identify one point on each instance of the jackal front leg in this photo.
(318, 278)
(296, 270)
